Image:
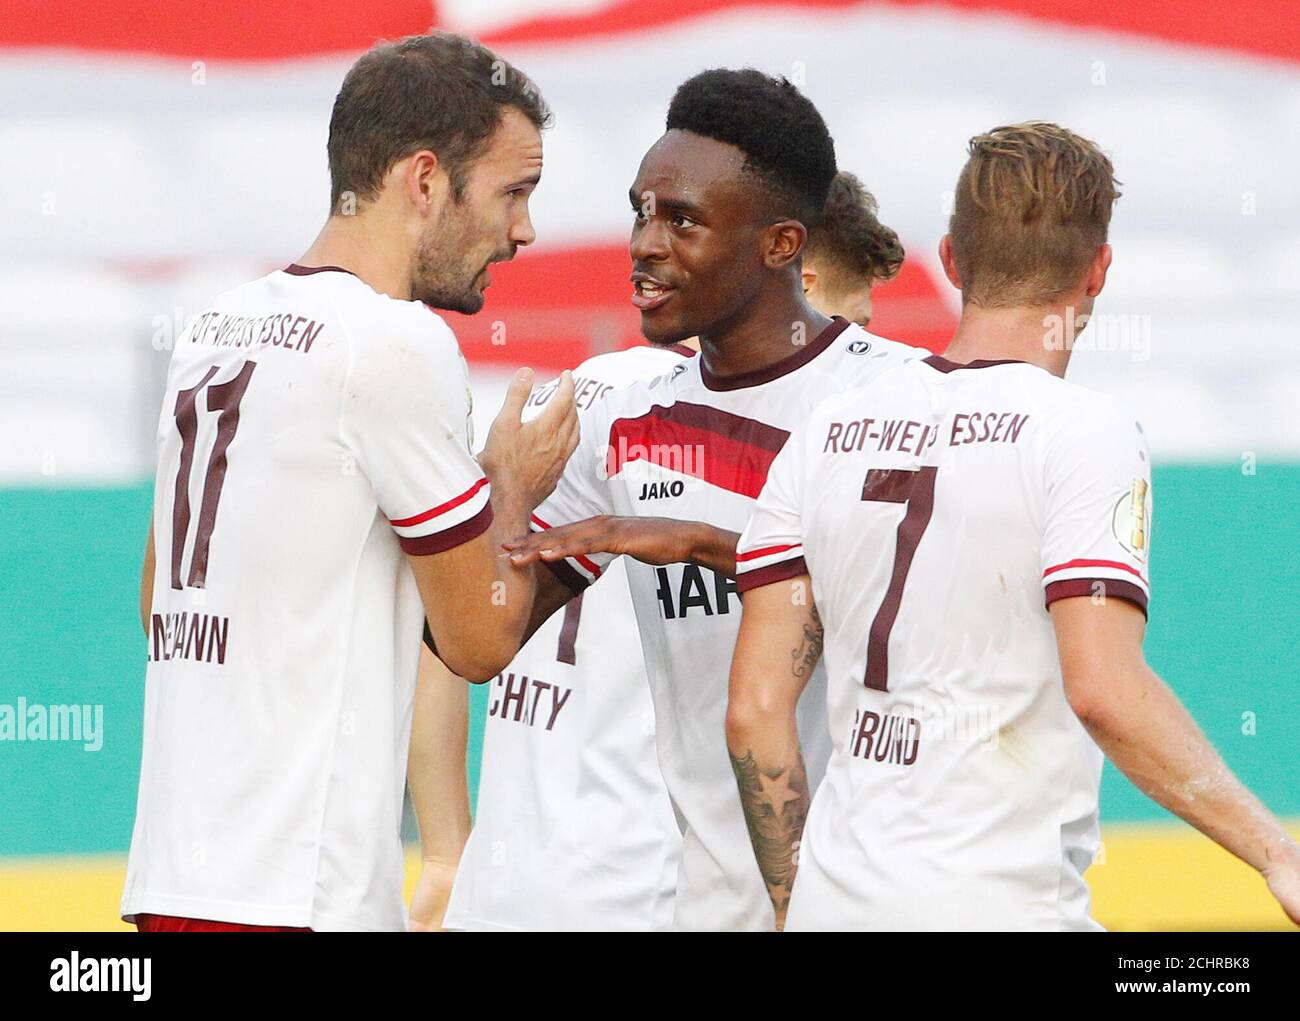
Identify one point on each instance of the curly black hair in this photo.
(784, 139)
(850, 237)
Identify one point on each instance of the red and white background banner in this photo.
(154, 154)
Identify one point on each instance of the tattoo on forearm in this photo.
(775, 801)
(805, 655)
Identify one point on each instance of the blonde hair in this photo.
(1032, 207)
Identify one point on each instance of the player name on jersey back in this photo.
(285, 330)
(518, 697)
(908, 436)
(188, 635)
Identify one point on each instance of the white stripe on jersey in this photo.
(448, 524)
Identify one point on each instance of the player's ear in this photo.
(424, 179)
(948, 262)
(1096, 279)
(783, 241)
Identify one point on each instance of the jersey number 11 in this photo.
(223, 398)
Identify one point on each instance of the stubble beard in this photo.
(441, 278)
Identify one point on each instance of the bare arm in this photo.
(549, 594)
(552, 594)
(1143, 728)
(779, 645)
(146, 582)
(655, 541)
(435, 775)
(477, 602)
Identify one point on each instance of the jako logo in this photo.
(101, 975)
(659, 490)
(859, 347)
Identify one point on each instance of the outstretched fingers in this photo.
(557, 543)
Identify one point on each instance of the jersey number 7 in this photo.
(914, 488)
(223, 398)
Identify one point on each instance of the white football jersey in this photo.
(695, 447)
(312, 429)
(939, 511)
(573, 829)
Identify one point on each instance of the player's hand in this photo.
(1284, 884)
(528, 458)
(432, 892)
(656, 541)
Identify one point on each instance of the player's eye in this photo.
(681, 222)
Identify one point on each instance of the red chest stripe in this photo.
(724, 450)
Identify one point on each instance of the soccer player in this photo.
(667, 471)
(849, 253)
(317, 499)
(968, 535)
(573, 827)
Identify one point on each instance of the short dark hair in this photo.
(440, 92)
(850, 238)
(784, 139)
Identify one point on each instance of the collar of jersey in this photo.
(293, 269)
(943, 365)
(775, 371)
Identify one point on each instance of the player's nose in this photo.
(521, 230)
(649, 242)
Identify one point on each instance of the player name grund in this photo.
(280, 329)
(200, 637)
(907, 436)
(885, 737)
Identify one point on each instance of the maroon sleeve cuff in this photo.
(1110, 588)
(440, 542)
(771, 573)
